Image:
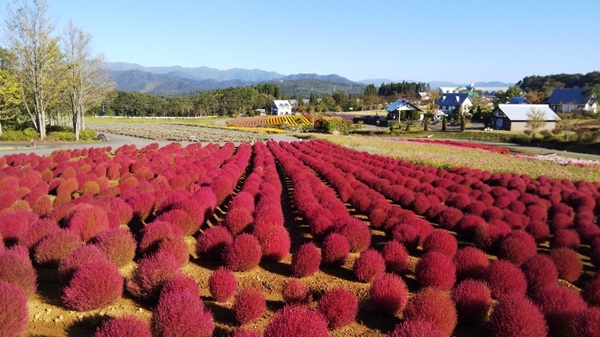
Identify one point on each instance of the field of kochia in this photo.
(295, 239)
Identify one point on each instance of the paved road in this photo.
(114, 141)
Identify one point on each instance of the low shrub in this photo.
(470, 262)
(441, 241)
(87, 291)
(150, 275)
(306, 260)
(294, 291)
(125, 326)
(249, 305)
(119, 245)
(395, 257)
(388, 294)
(369, 265)
(243, 254)
(291, 321)
(559, 305)
(222, 284)
(212, 241)
(358, 235)
(433, 306)
(335, 249)
(274, 243)
(38, 231)
(407, 235)
(586, 323)
(15, 267)
(436, 270)
(87, 221)
(180, 283)
(415, 329)
(81, 255)
(181, 314)
(339, 306)
(568, 263)
(504, 278)
(540, 272)
(591, 292)
(517, 247)
(565, 238)
(516, 316)
(14, 313)
(449, 217)
(15, 223)
(238, 219)
(56, 247)
(473, 299)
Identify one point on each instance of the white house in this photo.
(514, 117)
(281, 107)
(449, 102)
(394, 110)
(572, 100)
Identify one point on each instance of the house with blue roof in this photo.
(572, 100)
(449, 102)
(395, 109)
(518, 100)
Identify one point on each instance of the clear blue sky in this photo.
(458, 40)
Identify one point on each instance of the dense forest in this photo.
(407, 89)
(541, 83)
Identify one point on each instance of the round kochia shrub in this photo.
(517, 247)
(558, 304)
(118, 244)
(396, 257)
(83, 254)
(433, 306)
(249, 306)
(415, 329)
(222, 284)
(87, 221)
(180, 283)
(591, 292)
(126, 326)
(14, 313)
(586, 323)
(567, 263)
(565, 238)
(306, 260)
(504, 278)
(470, 262)
(516, 316)
(211, 243)
(357, 233)
(243, 253)
(473, 299)
(441, 241)
(151, 273)
(274, 243)
(436, 270)
(339, 306)
(388, 294)
(294, 291)
(297, 321)
(540, 272)
(55, 247)
(369, 265)
(15, 267)
(93, 286)
(335, 249)
(181, 314)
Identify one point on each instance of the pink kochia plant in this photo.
(473, 299)
(339, 306)
(181, 314)
(396, 257)
(516, 316)
(434, 306)
(388, 294)
(306, 260)
(87, 291)
(249, 306)
(14, 313)
(222, 284)
(416, 328)
(87, 221)
(243, 254)
(126, 326)
(152, 272)
(369, 265)
(15, 267)
(335, 249)
(294, 291)
(118, 244)
(212, 242)
(436, 270)
(297, 321)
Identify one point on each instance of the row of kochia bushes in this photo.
(67, 211)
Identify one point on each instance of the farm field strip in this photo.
(201, 232)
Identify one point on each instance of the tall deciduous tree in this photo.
(536, 119)
(10, 93)
(36, 56)
(87, 82)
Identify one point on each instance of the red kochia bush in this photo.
(249, 306)
(558, 304)
(15, 223)
(55, 247)
(297, 321)
(436, 270)
(586, 323)
(395, 257)
(339, 306)
(473, 299)
(246, 333)
(180, 283)
(14, 313)
(441, 241)
(369, 265)
(181, 314)
(126, 326)
(243, 253)
(212, 242)
(591, 292)
(517, 247)
(294, 291)
(38, 231)
(357, 233)
(415, 329)
(118, 244)
(565, 238)
(540, 272)
(151, 273)
(434, 306)
(504, 277)
(470, 262)
(567, 263)
(15, 267)
(83, 254)
(87, 221)
(274, 243)
(388, 294)
(335, 249)
(306, 260)
(449, 217)
(93, 286)
(516, 316)
(222, 284)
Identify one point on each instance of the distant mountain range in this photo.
(180, 80)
